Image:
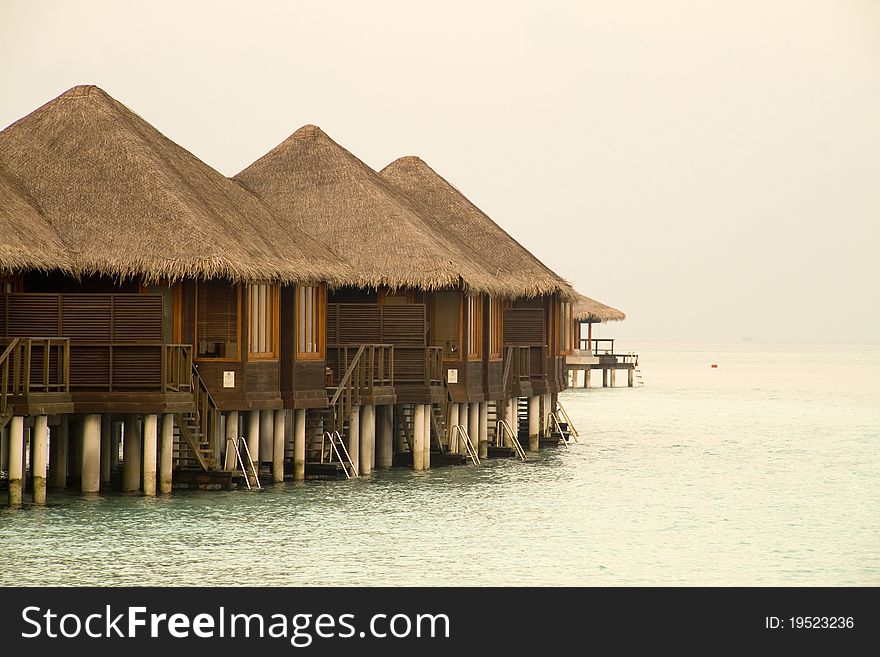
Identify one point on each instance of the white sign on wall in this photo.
(228, 379)
(452, 376)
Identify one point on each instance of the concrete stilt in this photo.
(613, 374)
(483, 447)
(231, 461)
(353, 439)
(166, 453)
(451, 423)
(267, 437)
(474, 424)
(131, 455)
(278, 447)
(368, 438)
(546, 409)
(385, 452)
(426, 445)
(299, 444)
(91, 454)
(4, 449)
(58, 449)
(534, 422)
(40, 458)
(74, 445)
(587, 377)
(114, 445)
(629, 378)
(106, 442)
(151, 430)
(253, 435)
(418, 438)
(15, 459)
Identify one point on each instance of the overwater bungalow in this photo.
(162, 325)
(597, 354)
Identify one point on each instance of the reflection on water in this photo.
(762, 471)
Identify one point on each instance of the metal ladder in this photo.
(638, 372)
(237, 444)
(459, 431)
(554, 423)
(506, 432)
(560, 410)
(335, 440)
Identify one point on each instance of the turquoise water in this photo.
(762, 471)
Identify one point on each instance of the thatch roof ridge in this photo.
(315, 184)
(589, 310)
(453, 212)
(28, 240)
(128, 201)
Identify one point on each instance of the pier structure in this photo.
(310, 318)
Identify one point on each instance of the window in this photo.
(310, 312)
(446, 323)
(566, 328)
(474, 326)
(262, 321)
(10, 284)
(217, 313)
(496, 327)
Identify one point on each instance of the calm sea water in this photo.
(762, 471)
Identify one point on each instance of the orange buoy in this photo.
(714, 364)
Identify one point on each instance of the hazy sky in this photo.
(710, 167)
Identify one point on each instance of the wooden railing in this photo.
(125, 367)
(603, 348)
(538, 362)
(517, 366)
(377, 367)
(29, 365)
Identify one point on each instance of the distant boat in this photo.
(746, 339)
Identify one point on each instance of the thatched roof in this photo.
(315, 185)
(127, 201)
(589, 310)
(449, 210)
(28, 241)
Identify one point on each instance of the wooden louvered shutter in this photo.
(217, 325)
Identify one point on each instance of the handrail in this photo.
(336, 439)
(237, 443)
(505, 378)
(507, 432)
(4, 376)
(459, 431)
(344, 381)
(571, 428)
(553, 420)
(21, 354)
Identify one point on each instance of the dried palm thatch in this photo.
(27, 241)
(127, 201)
(589, 310)
(449, 210)
(315, 185)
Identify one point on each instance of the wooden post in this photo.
(629, 378)
(418, 438)
(91, 454)
(368, 438)
(299, 445)
(40, 458)
(587, 373)
(166, 454)
(278, 447)
(385, 453)
(131, 454)
(15, 459)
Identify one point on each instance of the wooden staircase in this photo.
(197, 434)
